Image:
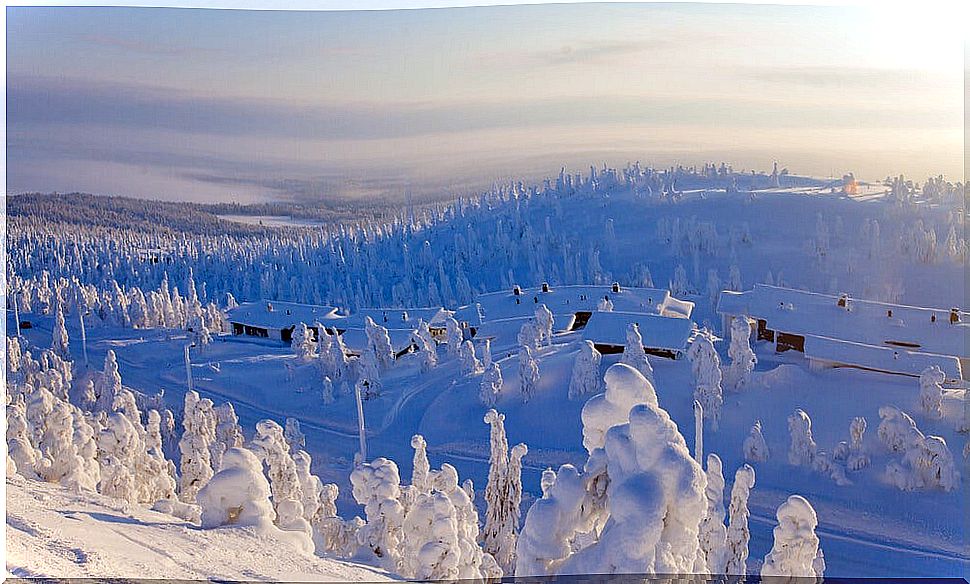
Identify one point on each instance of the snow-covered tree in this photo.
(486, 354)
(528, 373)
(197, 438)
(743, 359)
(543, 323)
(117, 453)
(108, 383)
(707, 378)
(271, 446)
(295, 438)
(228, 431)
(59, 340)
(466, 356)
(585, 379)
(301, 341)
(238, 494)
(755, 448)
(379, 343)
(503, 494)
(20, 448)
(421, 468)
(453, 336)
(738, 534)
(795, 548)
(713, 535)
(430, 539)
(734, 282)
(326, 392)
(634, 354)
(528, 335)
(491, 386)
(640, 485)
(803, 449)
(931, 391)
(377, 486)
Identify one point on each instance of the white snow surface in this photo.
(53, 532)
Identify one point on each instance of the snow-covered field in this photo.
(636, 227)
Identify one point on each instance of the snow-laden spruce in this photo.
(706, 366)
(302, 342)
(543, 325)
(713, 533)
(271, 446)
(802, 450)
(585, 379)
(197, 438)
(469, 362)
(755, 449)
(528, 373)
(503, 494)
(931, 391)
(633, 353)
(738, 534)
(640, 490)
(108, 383)
(490, 387)
(852, 453)
(377, 486)
(795, 552)
(925, 462)
(738, 374)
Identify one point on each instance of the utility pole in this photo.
(362, 455)
(699, 433)
(188, 368)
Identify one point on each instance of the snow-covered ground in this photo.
(52, 532)
(868, 528)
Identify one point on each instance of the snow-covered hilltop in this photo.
(688, 370)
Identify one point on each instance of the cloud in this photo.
(141, 46)
(851, 77)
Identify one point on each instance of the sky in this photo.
(254, 105)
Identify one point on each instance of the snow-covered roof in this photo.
(879, 358)
(866, 321)
(658, 332)
(582, 298)
(397, 318)
(355, 339)
(471, 313)
(272, 314)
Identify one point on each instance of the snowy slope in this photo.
(53, 532)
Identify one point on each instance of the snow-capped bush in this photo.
(633, 353)
(852, 452)
(238, 494)
(738, 534)
(713, 534)
(585, 379)
(803, 449)
(503, 494)
(755, 448)
(928, 464)
(528, 335)
(491, 386)
(897, 430)
(795, 548)
(931, 391)
(377, 486)
(707, 378)
(473, 562)
(528, 373)
(738, 374)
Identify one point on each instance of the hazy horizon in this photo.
(220, 105)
